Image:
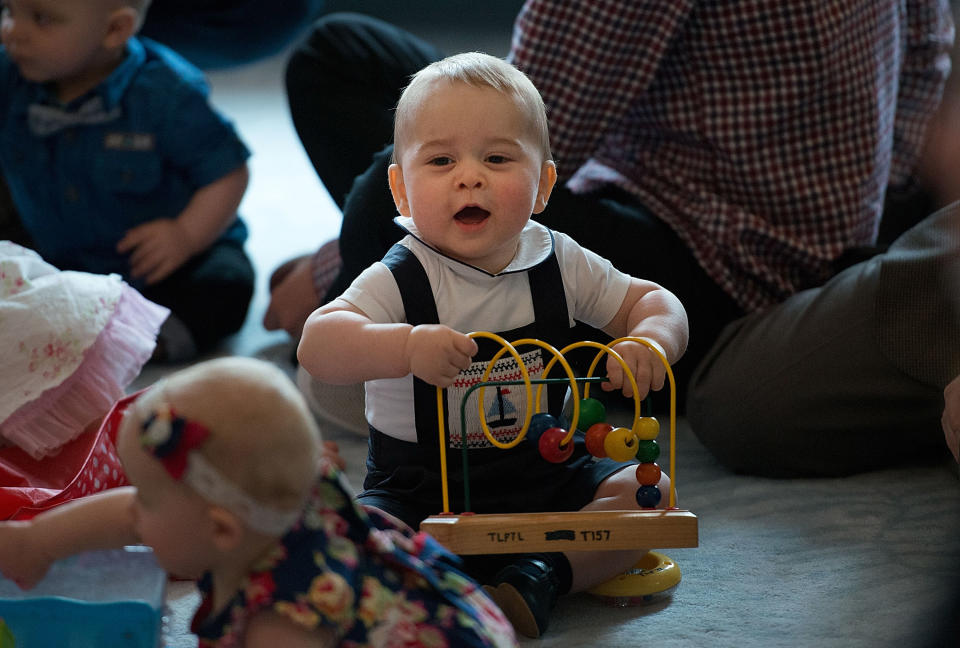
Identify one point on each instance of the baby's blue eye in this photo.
(497, 159)
(440, 161)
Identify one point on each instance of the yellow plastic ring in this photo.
(653, 576)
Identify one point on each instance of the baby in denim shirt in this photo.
(117, 163)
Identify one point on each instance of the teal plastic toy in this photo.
(101, 598)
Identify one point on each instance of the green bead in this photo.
(648, 451)
(591, 411)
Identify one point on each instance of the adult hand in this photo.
(157, 248)
(951, 417)
(292, 300)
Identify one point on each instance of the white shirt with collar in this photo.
(470, 299)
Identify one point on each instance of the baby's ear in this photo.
(228, 530)
(121, 25)
(548, 178)
(398, 189)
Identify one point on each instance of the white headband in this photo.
(210, 484)
(173, 440)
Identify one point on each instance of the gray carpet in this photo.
(871, 560)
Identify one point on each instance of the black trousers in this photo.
(343, 84)
(210, 293)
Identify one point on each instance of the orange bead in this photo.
(648, 474)
(595, 436)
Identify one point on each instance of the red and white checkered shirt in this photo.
(764, 132)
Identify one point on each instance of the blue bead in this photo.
(539, 423)
(648, 497)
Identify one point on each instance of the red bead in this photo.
(538, 423)
(595, 436)
(550, 448)
(648, 474)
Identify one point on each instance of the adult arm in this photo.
(926, 65)
(951, 417)
(591, 59)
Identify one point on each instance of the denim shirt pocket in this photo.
(134, 172)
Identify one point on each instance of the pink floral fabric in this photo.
(48, 319)
(71, 343)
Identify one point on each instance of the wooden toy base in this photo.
(572, 531)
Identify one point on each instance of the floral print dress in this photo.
(374, 583)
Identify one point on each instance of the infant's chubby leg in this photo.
(615, 493)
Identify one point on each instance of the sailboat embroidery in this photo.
(501, 412)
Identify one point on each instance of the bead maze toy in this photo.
(468, 533)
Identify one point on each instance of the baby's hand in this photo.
(22, 558)
(437, 353)
(330, 453)
(156, 249)
(644, 364)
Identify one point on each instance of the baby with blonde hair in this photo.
(472, 167)
(229, 488)
(142, 176)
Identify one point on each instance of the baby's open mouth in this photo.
(471, 215)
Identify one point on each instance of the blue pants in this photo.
(219, 33)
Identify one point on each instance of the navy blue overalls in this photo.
(403, 478)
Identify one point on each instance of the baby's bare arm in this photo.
(101, 521)
(157, 248)
(652, 312)
(268, 629)
(341, 345)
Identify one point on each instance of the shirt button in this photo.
(70, 135)
(71, 193)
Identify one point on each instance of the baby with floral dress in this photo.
(229, 488)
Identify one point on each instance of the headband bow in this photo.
(170, 438)
(173, 439)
